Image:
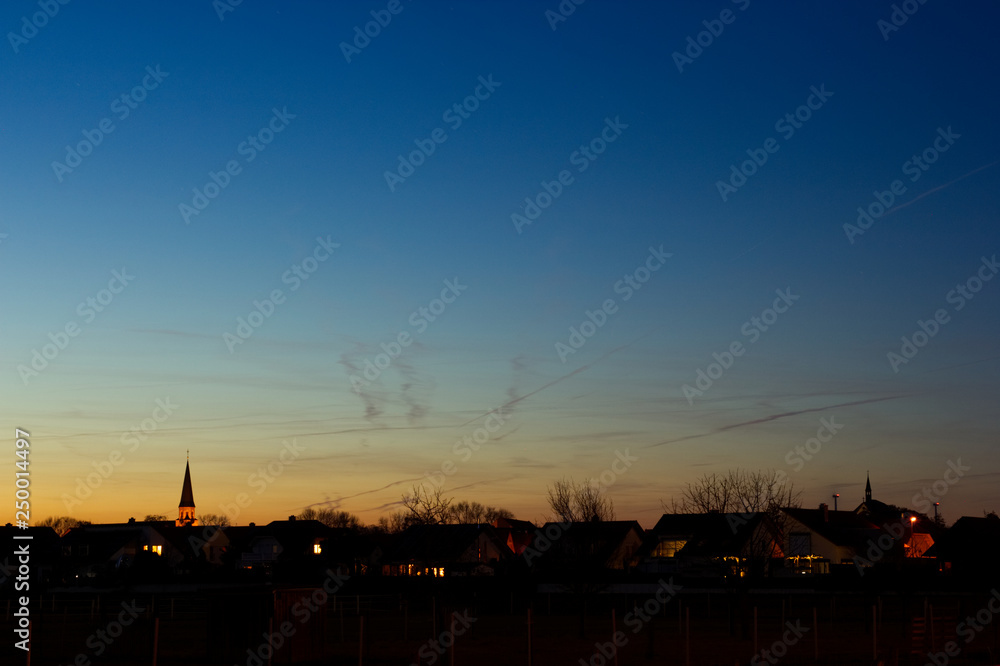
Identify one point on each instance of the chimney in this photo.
(825, 508)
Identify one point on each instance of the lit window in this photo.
(669, 547)
(317, 549)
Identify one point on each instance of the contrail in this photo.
(940, 187)
(511, 403)
(773, 417)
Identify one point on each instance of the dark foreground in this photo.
(479, 622)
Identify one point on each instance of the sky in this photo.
(608, 241)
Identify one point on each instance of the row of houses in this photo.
(709, 546)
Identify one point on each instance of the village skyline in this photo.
(251, 506)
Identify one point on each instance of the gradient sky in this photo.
(161, 338)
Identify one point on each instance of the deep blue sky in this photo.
(323, 176)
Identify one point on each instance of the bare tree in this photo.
(475, 513)
(467, 512)
(572, 502)
(738, 491)
(743, 494)
(493, 513)
(425, 507)
(214, 520)
(154, 518)
(394, 522)
(332, 517)
(62, 524)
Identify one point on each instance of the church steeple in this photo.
(185, 510)
(868, 488)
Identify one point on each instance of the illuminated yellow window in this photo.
(669, 547)
(317, 549)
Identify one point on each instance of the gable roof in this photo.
(707, 534)
(596, 541)
(440, 543)
(970, 537)
(841, 528)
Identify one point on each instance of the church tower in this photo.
(868, 490)
(185, 510)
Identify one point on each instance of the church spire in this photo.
(868, 488)
(185, 510)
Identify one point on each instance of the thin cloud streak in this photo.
(511, 403)
(940, 187)
(772, 417)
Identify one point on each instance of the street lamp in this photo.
(835, 496)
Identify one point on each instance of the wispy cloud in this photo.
(508, 406)
(773, 417)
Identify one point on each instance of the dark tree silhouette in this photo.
(426, 507)
(214, 519)
(62, 524)
(573, 502)
(332, 517)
